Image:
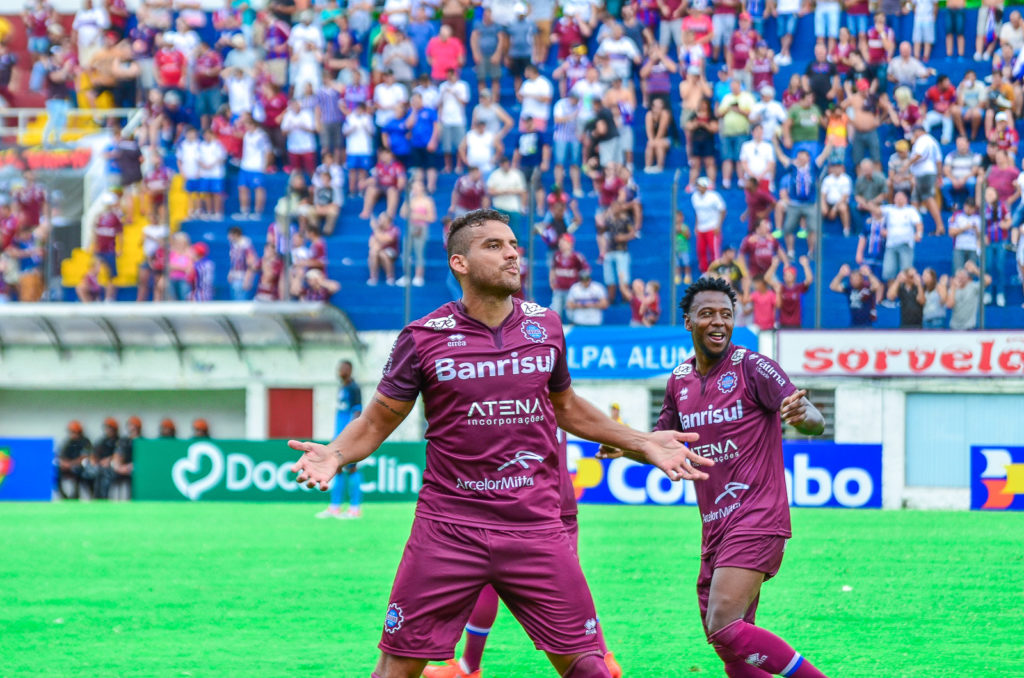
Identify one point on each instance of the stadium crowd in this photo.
(102, 469)
(365, 102)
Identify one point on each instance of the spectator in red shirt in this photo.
(271, 267)
(444, 53)
(206, 71)
(566, 267)
(741, 48)
(759, 249)
(469, 193)
(387, 179)
(229, 134)
(789, 294)
(106, 236)
(170, 66)
(941, 98)
(570, 32)
(760, 203)
(31, 198)
(275, 103)
(1004, 135)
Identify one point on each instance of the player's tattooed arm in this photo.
(380, 401)
(798, 412)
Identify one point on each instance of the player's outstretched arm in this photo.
(363, 435)
(798, 412)
(664, 449)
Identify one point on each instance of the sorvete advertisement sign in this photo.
(997, 478)
(633, 352)
(817, 474)
(906, 353)
(246, 470)
(26, 469)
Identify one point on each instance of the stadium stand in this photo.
(383, 306)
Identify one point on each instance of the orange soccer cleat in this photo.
(613, 666)
(451, 669)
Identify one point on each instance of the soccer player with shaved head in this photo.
(495, 383)
(736, 401)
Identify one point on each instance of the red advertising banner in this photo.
(905, 353)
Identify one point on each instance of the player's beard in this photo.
(496, 284)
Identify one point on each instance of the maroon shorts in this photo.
(756, 552)
(444, 567)
(304, 162)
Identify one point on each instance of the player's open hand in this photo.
(317, 465)
(794, 408)
(665, 449)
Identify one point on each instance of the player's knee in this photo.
(721, 615)
(588, 665)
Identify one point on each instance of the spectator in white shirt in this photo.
(300, 127)
(621, 51)
(213, 160)
(965, 229)
(586, 301)
(506, 187)
(768, 113)
(757, 158)
(479, 148)
(358, 130)
(925, 164)
(257, 155)
(454, 95)
(187, 156)
(535, 95)
(87, 30)
(836, 189)
(386, 97)
(709, 211)
(903, 228)
(305, 33)
(241, 91)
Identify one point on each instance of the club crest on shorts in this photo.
(440, 324)
(394, 618)
(533, 310)
(590, 627)
(737, 356)
(683, 370)
(727, 382)
(534, 332)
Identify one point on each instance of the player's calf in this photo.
(588, 665)
(764, 650)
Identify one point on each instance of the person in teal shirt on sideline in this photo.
(349, 407)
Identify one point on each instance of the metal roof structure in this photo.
(175, 325)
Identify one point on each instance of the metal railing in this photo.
(531, 219)
(673, 255)
(26, 116)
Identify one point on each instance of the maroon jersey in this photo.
(108, 227)
(789, 309)
(608, 188)
(493, 460)
(469, 194)
(387, 174)
(566, 269)
(268, 288)
(735, 409)
(742, 44)
(206, 61)
(31, 199)
(759, 252)
(877, 53)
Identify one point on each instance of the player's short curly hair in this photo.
(706, 284)
(458, 240)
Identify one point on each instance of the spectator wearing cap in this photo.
(123, 462)
(203, 273)
(72, 454)
(586, 301)
(96, 469)
(898, 171)
(454, 94)
(926, 166)
(200, 428)
(734, 115)
(1003, 133)
(768, 113)
(742, 44)
(709, 210)
(488, 43)
(167, 429)
(762, 67)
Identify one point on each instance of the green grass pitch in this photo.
(154, 589)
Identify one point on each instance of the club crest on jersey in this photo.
(457, 340)
(683, 370)
(727, 382)
(393, 619)
(533, 310)
(737, 355)
(534, 332)
(590, 627)
(439, 324)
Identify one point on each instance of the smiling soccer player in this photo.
(495, 385)
(733, 398)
